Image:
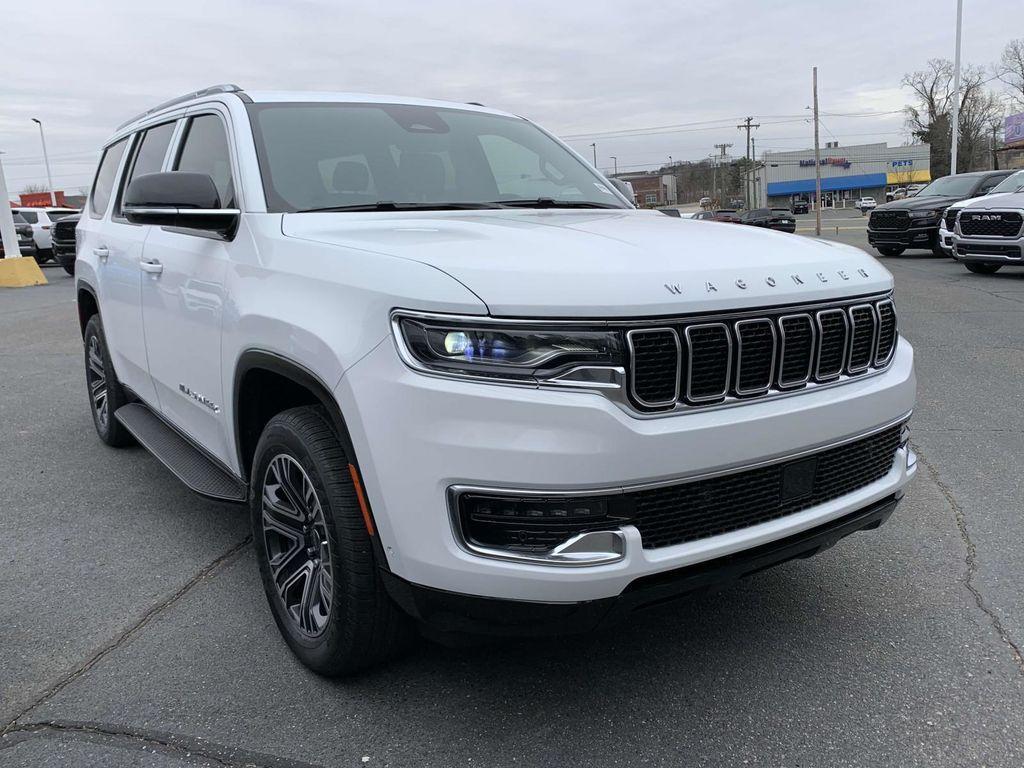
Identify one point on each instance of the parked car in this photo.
(705, 203)
(63, 234)
(800, 206)
(865, 204)
(947, 225)
(989, 233)
(914, 222)
(897, 194)
(702, 215)
(26, 245)
(42, 219)
(914, 189)
(452, 390)
(770, 218)
(728, 215)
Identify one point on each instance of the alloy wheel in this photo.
(297, 542)
(97, 380)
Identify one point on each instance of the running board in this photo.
(188, 463)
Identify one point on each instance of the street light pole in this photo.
(46, 161)
(615, 164)
(956, 91)
(594, 147)
(817, 160)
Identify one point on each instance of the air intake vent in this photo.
(656, 366)
(832, 333)
(886, 332)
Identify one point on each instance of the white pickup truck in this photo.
(461, 383)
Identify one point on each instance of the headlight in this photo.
(526, 353)
(925, 215)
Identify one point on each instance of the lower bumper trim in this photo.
(455, 613)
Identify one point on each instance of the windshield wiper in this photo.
(550, 202)
(390, 205)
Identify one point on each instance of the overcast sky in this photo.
(579, 67)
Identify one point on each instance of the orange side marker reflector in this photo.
(363, 506)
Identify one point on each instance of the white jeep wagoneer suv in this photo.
(460, 381)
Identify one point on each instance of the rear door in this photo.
(183, 297)
(115, 251)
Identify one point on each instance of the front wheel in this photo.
(314, 550)
(105, 392)
(982, 267)
(890, 251)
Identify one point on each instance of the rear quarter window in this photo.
(106, 176)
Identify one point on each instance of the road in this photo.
(133, 630)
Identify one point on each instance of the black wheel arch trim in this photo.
(258, 359)
(85, 285)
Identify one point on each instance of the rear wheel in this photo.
(982, 267)
(890, 250)
(105, 392)
(314, 551)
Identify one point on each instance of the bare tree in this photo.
(31, 189)
(929, 120)
(1011, 71)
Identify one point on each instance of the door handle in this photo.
(152, 266)
(102, 252)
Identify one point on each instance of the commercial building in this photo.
(847, 173)
(652, 188)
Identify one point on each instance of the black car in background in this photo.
(63, 234)
(914, 221)
(779, 219)
(800, 206)
(26, 244)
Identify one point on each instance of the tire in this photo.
(938, 252)
(69, 268)
(41, 256)
(982, 267)
(106, 394)
(889, 250)
(309, 531)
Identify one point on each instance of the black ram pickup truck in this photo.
(913, 222)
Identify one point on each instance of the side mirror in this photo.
(178, 199)
(623, 187)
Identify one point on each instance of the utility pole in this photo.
(8, 234)
(753, 155)
(594, 147)
(721, 160)
(817, 160)
(615, 163)
(46, 161)
(995, 154)
(956, 92)
(747, 124)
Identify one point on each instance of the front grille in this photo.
(702, 363)
(889, 220)
(680, 513)
(990, 224)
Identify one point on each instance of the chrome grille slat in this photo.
(990, 223)
(703, 362)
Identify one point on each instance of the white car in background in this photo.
(1011, 184)
(41, 220)
(865, 204)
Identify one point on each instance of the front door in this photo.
(183, 301)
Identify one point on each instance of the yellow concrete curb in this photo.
(19, 272)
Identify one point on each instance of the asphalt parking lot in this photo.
(133, 630)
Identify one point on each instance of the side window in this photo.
(31, 217)
(149, 156)
(205, 150)
(103, 186)
(988, 184)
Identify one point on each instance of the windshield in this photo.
(58, 215)
(330, 156)
(1012, 183)
(949, 186)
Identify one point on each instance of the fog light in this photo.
(455, 342)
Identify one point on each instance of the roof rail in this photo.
(222, 88)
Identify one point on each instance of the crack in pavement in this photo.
(169, 744)
(971, 560)
(121, 639)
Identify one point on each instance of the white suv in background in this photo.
(460, 381)
(42, 220)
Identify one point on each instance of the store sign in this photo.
(902, 163)
(1013, 130)
(839, 162)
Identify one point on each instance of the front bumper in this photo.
(417, 436)
(915, 237)
(991, 250)
(64, 251)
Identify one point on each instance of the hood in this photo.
(935, 202)
(604, 263)
(1000, 200)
